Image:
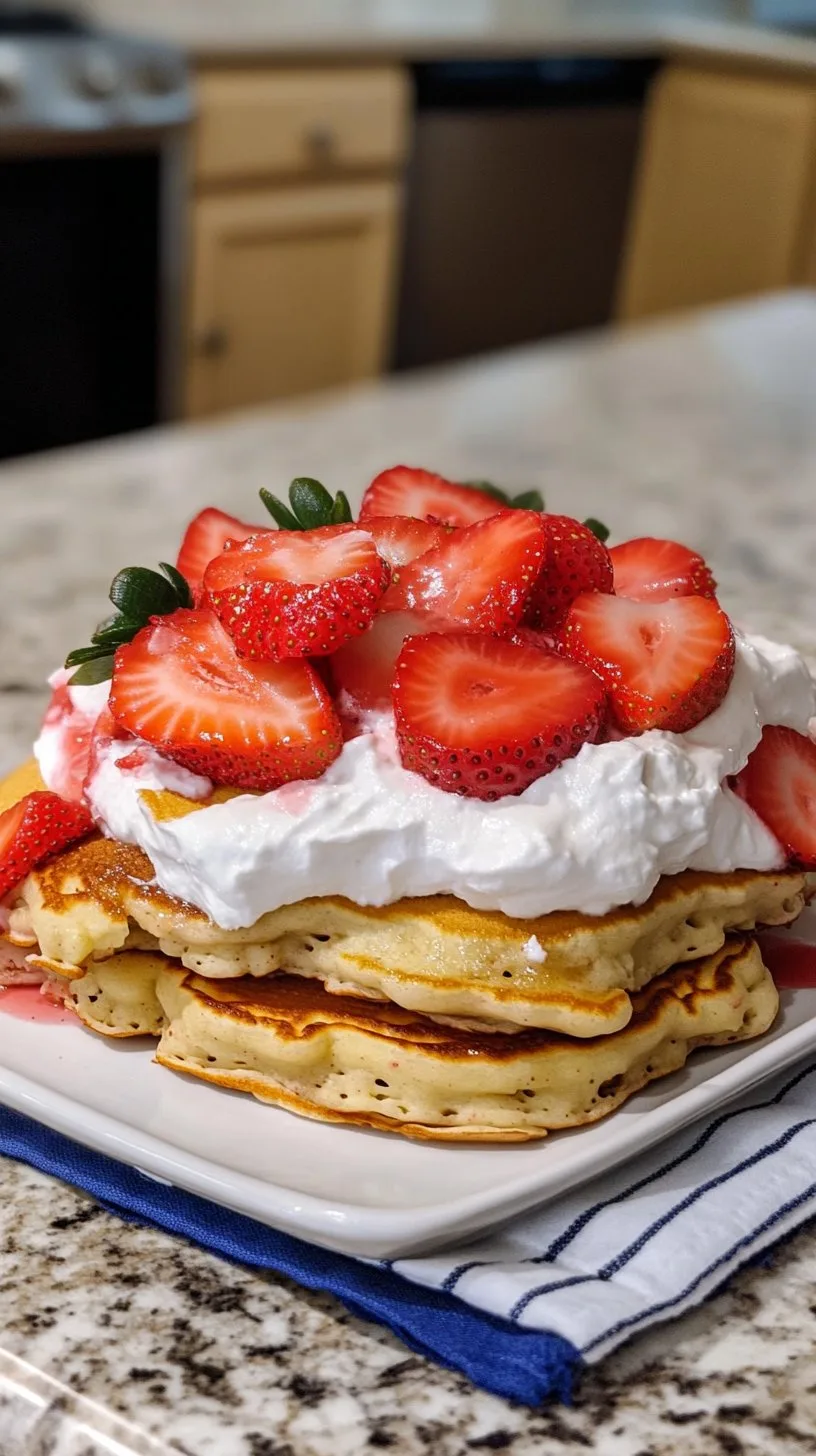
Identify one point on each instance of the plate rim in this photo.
(364, 1231)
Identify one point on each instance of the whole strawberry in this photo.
(283, 594)
(575, 561)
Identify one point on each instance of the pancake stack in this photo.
(423, 1017)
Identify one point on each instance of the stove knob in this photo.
(11, 74)
(99, 76)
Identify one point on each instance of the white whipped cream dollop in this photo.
(596, 833)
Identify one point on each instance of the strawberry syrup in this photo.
(28, 1004)
(791, 962)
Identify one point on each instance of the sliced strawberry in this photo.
(32, 831)
(575, 561)
(104, 731)
(479, 578)
(180, 686)
(404, 490)
(364, 667)
(66, 775)
(779, 782)
(483, 717)
(297, 593)
(400, 539)
(666, 664)
(649, 570)
(206, 535)
(529, 637)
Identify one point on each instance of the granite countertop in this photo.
(118, 1339)
(411, 30)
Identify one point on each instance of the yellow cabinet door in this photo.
(292, 291)
(722, 191)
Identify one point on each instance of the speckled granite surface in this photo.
(117, 1339)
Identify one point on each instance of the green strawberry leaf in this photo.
(179, 584)
(488, 488)
(310, 506)
(341, 510)
(528, 500)
(310, 502)
(140, 593)
(597, 528)
(94, 671)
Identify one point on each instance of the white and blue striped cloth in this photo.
(653, 1238)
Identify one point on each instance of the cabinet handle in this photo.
(321, 141)
(212, 342)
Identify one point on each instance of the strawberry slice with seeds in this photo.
(207, 535)
(779, 783)
(404, 490)
(400, 539)
(666, 664)
(479, 578)
(67, 774)
(650, 570)
(485, 718)
(181, 686)
(575, 561)
(32, 831)
(364, 667)
(297, 593)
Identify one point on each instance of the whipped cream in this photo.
(596, 833)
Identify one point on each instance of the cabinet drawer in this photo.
(255, 123)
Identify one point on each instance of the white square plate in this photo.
(371, 1194)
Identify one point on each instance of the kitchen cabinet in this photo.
(724, 190)
(295, 231)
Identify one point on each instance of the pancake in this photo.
(435, 956)
(336, 1058)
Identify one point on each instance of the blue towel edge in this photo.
(525, 1366)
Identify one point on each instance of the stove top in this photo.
(60, 75)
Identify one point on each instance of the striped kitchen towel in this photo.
(522, 1310)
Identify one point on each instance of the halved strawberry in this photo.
(485, 718)
(666, 664)
(364, 667)
(180, 686)
(206, 535)
(650, 570)
(400, 539)
(480, 577)
(779, 782)
(575, 561)
(297, 593)
(35, 829)
(405, 490)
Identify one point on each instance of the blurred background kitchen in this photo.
(213, 204)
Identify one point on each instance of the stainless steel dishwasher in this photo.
(516, 202)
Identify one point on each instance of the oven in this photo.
(92, 205)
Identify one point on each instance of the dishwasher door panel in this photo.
(514, 225)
